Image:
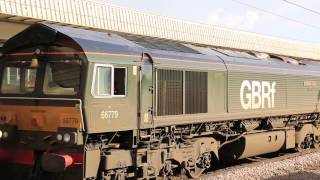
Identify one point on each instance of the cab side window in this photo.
(109, 81)
(119, 82)
(103, 80)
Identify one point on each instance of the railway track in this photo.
(250, 166)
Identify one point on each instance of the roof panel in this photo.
(138, 23)
(233, 53)
(161, 44)
(89, 41)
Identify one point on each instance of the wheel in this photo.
(315, 142)
(192, 170)
(167, 170)
(300, 147)
(316, 145)
(306, 144)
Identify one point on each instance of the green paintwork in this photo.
(126, 106)
(223, 94)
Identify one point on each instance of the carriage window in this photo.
(109, 81)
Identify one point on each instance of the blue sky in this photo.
(227, 13)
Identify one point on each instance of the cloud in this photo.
(246, 21)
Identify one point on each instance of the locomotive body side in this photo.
(293, 85)
(143, 108)
(289, 88)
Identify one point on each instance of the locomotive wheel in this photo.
(194, 174)
(315, 142)
(194, 169)
(306, 144)
(167, 170)
(316, 145)
(300, 148)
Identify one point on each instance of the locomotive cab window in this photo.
(109, 81)
(18, 78)
(62, 77)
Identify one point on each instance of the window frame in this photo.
(112, 95)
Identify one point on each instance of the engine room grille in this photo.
(170, 92)
(196, 89)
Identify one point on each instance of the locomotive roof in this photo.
(107, 17)
(92, 41)
(88, 41)
(164, 53)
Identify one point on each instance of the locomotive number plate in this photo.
(109, 114)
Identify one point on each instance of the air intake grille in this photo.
(196, 92)
(170, 92)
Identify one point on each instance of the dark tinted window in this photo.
(119, 83)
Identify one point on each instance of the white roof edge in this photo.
(88, 13)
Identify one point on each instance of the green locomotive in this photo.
(79, 104)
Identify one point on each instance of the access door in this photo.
(146, 93)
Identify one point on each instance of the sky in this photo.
(303, 25)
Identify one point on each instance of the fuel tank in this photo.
(253, 144)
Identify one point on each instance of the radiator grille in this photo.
(170, 92)
(196, 92)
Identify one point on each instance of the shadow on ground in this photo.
(303, 175)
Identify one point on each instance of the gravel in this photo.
(303, 167)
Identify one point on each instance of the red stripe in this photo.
(26, 157)
(68, 53)
(61, 53)
(23, 157)
(4, 155)
(16, 156)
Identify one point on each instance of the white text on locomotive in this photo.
(257, 94)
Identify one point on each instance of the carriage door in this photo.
(146, 93)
